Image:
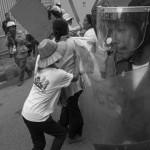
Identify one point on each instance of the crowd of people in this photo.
(57, 80)
(58, 75)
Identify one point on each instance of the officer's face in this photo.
(126, 37)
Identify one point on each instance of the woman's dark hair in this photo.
(60, 28)
(56, 14)
(89, 19)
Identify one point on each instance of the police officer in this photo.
(124, 35)
(123, 31)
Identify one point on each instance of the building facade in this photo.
(5, 6)
(82, 7)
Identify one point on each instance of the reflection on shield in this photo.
(116, 111)
(121, 28)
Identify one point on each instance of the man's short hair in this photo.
(7, 13)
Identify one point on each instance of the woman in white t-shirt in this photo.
(44, 94)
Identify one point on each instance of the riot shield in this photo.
(116, 111)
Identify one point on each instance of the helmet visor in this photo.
(122, 27)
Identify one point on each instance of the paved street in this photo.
(13, 133)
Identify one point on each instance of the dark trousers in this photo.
(31, 49)
(71, 116)
(21, 62)
(51, 127)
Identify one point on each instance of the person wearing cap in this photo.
(88, 33)
(54, 13)
(58, 4)
(94, 13)
(16, 41)
(62, 10)
(41, 102)
(70, 113)
(73, 31)
(4, 26)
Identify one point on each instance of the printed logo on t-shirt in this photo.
(41, 83)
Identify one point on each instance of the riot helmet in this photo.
(122, 25)
(11, 24)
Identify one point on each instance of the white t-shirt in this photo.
(45, 93)
(91, 39)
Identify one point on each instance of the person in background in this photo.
(62, 10)
(73, 31)
(42, 99)
(70, 114)
(88, 29)
(58, 4)
(16, 41)
(54, 13)
(129, 46)
(130, 51)
(32, 45)
(4, 23)
(88, 33)
(4, 26)
(94, 13)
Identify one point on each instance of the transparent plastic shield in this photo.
(121, 28)
(117, 110)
